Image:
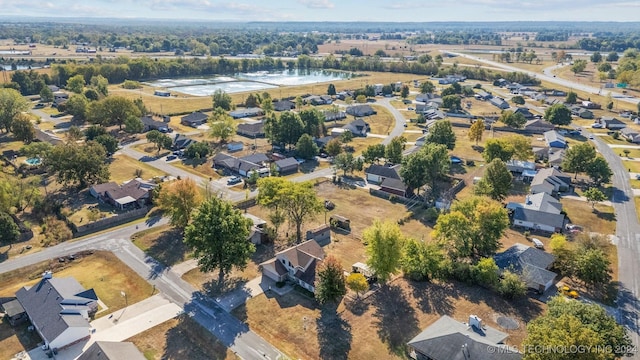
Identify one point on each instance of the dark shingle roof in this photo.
(109, 350)
(287, 163)
(12, 308)
(395, 184)
(528, 262)
(195, 117)
(384, 171)
(253, 129)
(360, 110)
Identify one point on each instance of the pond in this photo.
(255, 81)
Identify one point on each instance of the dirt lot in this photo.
(379, 326)
(99, 270)
(180, 338)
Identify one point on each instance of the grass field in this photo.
(99, 270)
(124, 168)
(601, 220)
(379, 326)
(632, 166)
(16, 339)
(382, 122)
(163, 243)
(204, 170)
(180, 338)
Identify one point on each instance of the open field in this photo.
(163, 243)
(180, 338)
(379, 326)
(601, 220)
(99, 270)
(124, 168)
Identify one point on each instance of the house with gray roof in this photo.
(375, 173)
(631, 135)
(539, 212)
(287, 166)
(59, 309)
(612, 123)
(182, 142)
(297, 264)
(449, 339)
(360, 110)
(150, 123)
(554, 139)
(251, 130)
(555, 157)
(581, 112)
(330, 115)
(500, 103)
(244, 165)
(538, 126)
(531, 264)
(194, 119)
(358, 127)
(525, 112)
(550, 181)
(284, 105)
(483, 95)
(135, 192)
(112, 350)
(246, 112)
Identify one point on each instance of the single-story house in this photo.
(540, 153)
(297, 264)
(258, 232)
(530, 263)
(59, 310)
(284, 105)
(550, 181)
(361, 110)
(14, 312)
(358, 127)
(132, 193)
(235, 146)
(321, 234)
(323, 141)
(251, 130)
(395, 186)
(555, 157)
(500, 103)
(53, 88)
(631, 135)
(182, 142)
(449, 339)
(612, 123)
(554, 139)
(581, 112)
(525, 112)
(246, 112)
(538, 220)
(314, 100)
(538, 126)
(194, 119)
(152, 124)
(112, 350)
(483, 95)
(244, 165)
(590, 105)
(286, 166)
(375, 174)
(424, 98)
(334, 115)
(519, 166)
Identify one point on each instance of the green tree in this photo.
(558, 114)
(404, 92)
(579, 324)
(251, 101)
(578, 66)
(393, 151)
(451, 102)
(11, 104)
(299, 102)
(361, 99)
(77, 106)
(23, 129)
(219, 236)
(511, 286)
(300, 203)
(346, 137)
(270, 196)
(221, 125)
(498, 149)
(518, 100)
(178, 199)
(476, 131)
(313, 122)
(593, 268)
(94, 131)
(133, 125)
(427, 87)
(578, 158)
(111, 110)
(291, 128)
(9, 231)
(521, 145)
(36, 149)
(511, 119)
(421, 261)
(345, 162)
(572, 98)
(384, 248)
(594, 196)
(442, 133)
(306, 148)
(18, 194)
(612, 56)
(78, 164)
(373, 153)
(333, 147)
(109, 142)
(472, 228)
(596, 57)
(100, 83)
(330, 286)
(222, 100)
(74, 134)
(565, 255)
(162, 141)
(599, 172)
(46, 95)
(197, 151)
(496, 181)
(357, 282)
(486, 273)
(331, 90)
(425, 166)
(76, 84)
(267, 105)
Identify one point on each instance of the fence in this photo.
(107, 222)
(392, 197)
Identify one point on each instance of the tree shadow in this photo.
(188, 340)
(214, 288)
(628, 309)
(605, 216)
(478, 148)
(357, 306)
(169, 248)
(395, 318)
(525, 307)
(334, 334)
(434, 297)
(309, 166)
(457, 169)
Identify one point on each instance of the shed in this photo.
(321, 234)
(287, 165)
(14, 312)
(341, 222)
(235, 146)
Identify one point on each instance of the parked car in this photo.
(597, 126)
(234, 180)
(537, 243)
(171, 157)
(455, 160)
(410, 109)
(39, 106)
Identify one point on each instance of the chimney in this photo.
(475, 321)
(47, 275)
(528, 200)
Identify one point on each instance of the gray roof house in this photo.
(251, 130)
(554, 139)
(377, 173)
(182, 142)
(59, 309)
(538, 126)
(287, 166)
(152, 124)
(334, 115)
(530, 263)
(297, 264)
(358, 127)
(111, 350)
(631, 135)
(194, 119)
(581, 112)
(483, 95)
(550, 181)
(448, 339)
(525, 112)
(555, 157)
(500, 103)
(284, 105)
(612, 123)
(245, 112)
(360, 110)
(540, 211)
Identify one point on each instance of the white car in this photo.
(537, 243)
(597, 126)
(590, 137)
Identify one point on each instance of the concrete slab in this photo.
(252, 288)
(184, 267)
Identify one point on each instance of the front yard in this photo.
(163, 243)
(123, 168)
(601, 220)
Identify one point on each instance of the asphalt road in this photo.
(231, 331)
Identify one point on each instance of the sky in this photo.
(333, 10)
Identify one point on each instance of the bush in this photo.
(471, 163)
(393, 199)
(431, 214)
(511, 287)
(527, 234)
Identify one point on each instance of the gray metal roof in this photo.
(539, 217)
(12, 308)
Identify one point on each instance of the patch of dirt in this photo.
(506, 322)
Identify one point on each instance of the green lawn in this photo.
(601, 219)
(124, 168)
(632, 166)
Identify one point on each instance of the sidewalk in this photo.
(582, 198)
(184, 267)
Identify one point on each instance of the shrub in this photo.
(431, 214)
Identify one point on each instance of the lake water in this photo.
(256, 81)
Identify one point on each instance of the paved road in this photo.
(398, 128)
(550, 78)
(231, 331)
